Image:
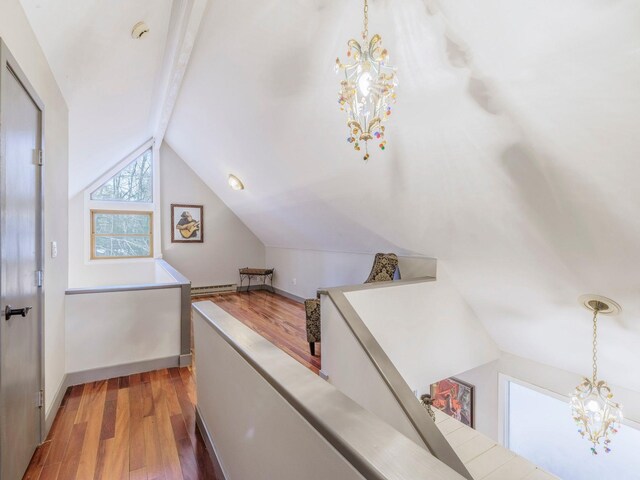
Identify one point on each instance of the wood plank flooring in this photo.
(277, 318)
(136, 427)
(142, 427)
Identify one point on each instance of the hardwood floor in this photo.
(143, 426)
(136, 427)
(277, 318)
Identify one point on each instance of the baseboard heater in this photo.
(211, 289)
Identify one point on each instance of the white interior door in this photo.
(21, 258)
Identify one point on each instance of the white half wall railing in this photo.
(354, 361)
(265, 416)
(121, 329)
(383, 342)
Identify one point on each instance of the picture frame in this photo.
(187, 223)
(455, 398)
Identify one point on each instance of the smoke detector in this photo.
(139, 30)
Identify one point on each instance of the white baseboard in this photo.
(290, 296)
(50, 416)
(122, 370)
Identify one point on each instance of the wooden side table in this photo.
(249, 273)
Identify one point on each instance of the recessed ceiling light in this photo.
(235, 183)
(139, 30)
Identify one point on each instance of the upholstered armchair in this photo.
(383, 270)
(312, 310)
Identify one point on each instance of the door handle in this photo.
(10, 312)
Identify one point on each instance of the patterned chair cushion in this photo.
(384, 268)
(312, 309)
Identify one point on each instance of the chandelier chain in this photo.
(595, 345)
(365, 31)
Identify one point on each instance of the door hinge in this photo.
(40, 399)
(40, 160)
(39, 278)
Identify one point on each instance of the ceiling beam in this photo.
(186, 16)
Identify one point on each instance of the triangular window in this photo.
(134, 183)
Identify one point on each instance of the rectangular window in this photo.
(121, 234)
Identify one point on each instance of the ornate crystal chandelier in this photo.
(367, 91)
(594, 411)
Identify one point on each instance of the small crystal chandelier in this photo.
(367, 89)
(594, 411)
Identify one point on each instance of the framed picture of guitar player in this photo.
(186, 224)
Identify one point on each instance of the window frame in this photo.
(155, 207)
(94, 211)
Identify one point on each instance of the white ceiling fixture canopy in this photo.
(139, 30)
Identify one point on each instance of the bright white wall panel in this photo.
(252, 426)
(427, 329)
(108, 329)
(351, 371)
(313, 269)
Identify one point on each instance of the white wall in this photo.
(228, 243)
(351, 371)
(138, 272)
(89, 273)
(253, 433)
(485, 380)
(302, 272)
(116, 328)
(19, 37)
(84, 272)
(427, 329)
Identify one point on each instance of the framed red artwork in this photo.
(455, 398)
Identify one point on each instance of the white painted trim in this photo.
(157, 202)
(122, 370)
(55, 406)
(503, 409)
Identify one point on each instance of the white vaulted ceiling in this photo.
(513, 153)
(108, 79)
